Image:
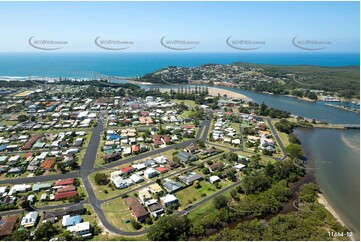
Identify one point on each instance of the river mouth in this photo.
(339, 172)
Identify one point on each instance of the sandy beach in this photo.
(322, 200)
(213, 91)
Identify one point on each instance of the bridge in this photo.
(350, 126)
(335, 126)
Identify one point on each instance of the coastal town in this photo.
(274, 80)
(96, 162)
(180, 120)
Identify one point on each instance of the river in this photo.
(335, 154)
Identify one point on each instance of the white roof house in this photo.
(14, 158)
(3, 158)
(214, 179)
(30, 219)
(3, 190)
(19, 188)
(150, 172)
(139, 166)
(82, 229)
(236, 141)
(169, 199)
(161, 159)
(119, 182)
(115, 174)
(136, 178)
(239, 166)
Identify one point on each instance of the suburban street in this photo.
(87, 167)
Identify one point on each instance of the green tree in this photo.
(196, 184)
(170, 228)
(262, 109)
(26, 205)
(308, 192)
(136, 225)
(101, 179)
(220, 201)
(66, 235)
(255, 184)
(45, 232)
(294, 151)
(18, 235)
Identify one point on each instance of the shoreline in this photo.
(215, 91)
(323, 201)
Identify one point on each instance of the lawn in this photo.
(204, 210)
(186, 114)
(192, 195)
(117, 212)
(189, 103)
(112, 237)
(264, 159)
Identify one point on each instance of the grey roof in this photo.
(172, 186)
(185, 156)
(190, 178)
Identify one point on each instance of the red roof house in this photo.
(64, 195)
(127, 170)
(161, 169)
(69, 181)
(67, 188)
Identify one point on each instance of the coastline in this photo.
(323, 201)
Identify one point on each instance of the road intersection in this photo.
(87, 168)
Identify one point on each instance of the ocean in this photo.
(125, 64)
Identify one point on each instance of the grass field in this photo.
(204, 210)
(189, 103)
(192, 195)
(117, 213)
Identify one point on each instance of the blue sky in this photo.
(209, 23)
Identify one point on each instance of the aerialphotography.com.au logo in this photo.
(179, 44)
(242, 44)
(46, 44)
(311, 164)
(115, 45)
(310, 45)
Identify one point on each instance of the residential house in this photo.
(185, 157)
(30, 219)
(136, 178)
(169, 200)
(215, 166)
(161, 169)
(172, 186)
(155, 188)
(7, 225)
(150, 173)
(112, 157)
(83, 229)
(71, 220)
(144, 195)
(190, 178)
(214, 179)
